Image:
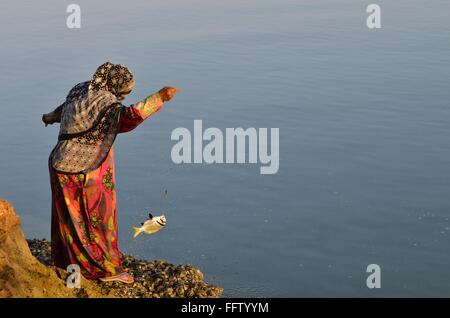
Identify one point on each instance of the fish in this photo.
(151, 226)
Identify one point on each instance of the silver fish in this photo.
(152, 225)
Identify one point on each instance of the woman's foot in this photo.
(125, 277)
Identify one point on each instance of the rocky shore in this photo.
(26, 271)
(154, 279)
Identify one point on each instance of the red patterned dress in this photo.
(84, 213)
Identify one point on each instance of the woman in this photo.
(84, 214)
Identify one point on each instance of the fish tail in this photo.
(137, 231)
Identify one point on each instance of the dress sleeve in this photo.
(134, 115)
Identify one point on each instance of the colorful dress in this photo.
(84, 213)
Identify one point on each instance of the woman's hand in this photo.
(54, 116)
(49, 119)
(167, 93)
(46, 120)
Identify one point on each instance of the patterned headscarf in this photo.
(114, 78)
(90, 119)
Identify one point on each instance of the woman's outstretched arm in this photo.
(134, 115)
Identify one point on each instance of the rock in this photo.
(21, 274)
(26, 271)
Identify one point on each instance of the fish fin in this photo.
(137, 231)
(142, 223)
(150, 216)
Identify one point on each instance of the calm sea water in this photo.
(364, 135)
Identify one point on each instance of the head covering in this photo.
(90, 120)
(114, 78)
